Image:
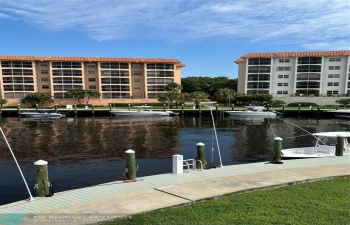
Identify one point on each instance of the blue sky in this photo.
(206, 35)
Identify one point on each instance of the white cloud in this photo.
(303, 22)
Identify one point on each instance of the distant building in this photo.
(118, 80)
(291, 74)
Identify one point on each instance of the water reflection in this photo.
(88, 151)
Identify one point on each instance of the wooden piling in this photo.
(277, 147)
(18, 110)
(339, 148)
(41, 178)
(75, 109)
(201, 155)
(56, 108)
(130, 164)
(182, 109)
(298, 109)
(233, 107)
(36, 107)
(283, 110)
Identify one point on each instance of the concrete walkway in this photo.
(118, 199)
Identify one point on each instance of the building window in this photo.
(283, 76)
(91, 65)
(45, 86)
(333, 75)
(92, 87)
(284, 60)
(136, 73)
(44, 79)
(137, 80)
(44, 64)
(331, 93)
(334, 59)
(137, 87)
(285, 68)
(280, 84)
(91, 72)
(282, 92)
(44, 72)
(285, 84)
(136, 65)
(334, 67)
(92, 79)
(333, 83)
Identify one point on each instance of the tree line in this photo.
(192, 89)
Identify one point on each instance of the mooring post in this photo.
(130, 164)
(128, 106)
(339, 148)
(56, 108)
(268, 107)
(201, 155)
(318, 109)
(277, 147)
(36, 107)
(75, 109)
(93, 109)
(110, 106)
(233, 107)
(200, 108)
(18, 109)
(217, 108)
(41, 178)
(298, 108)
(163, 107)
(182, 109)
(283, 109)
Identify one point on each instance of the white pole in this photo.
(216, 137)
(19, 168)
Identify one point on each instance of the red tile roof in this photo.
(292, 54)
(92, 59)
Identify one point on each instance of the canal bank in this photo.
(119, 199)
(313, 113)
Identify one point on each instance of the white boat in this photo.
(41, 114)
(253, 111)
(142, 111)
(325, 146)
(340, 113)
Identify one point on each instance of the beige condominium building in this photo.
(291, 74)
(118, 80)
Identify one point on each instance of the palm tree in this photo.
(226, 94)
(173, 87)
(82, 94)
(89, 94)
(198, 97)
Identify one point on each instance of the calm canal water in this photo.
(87, 151)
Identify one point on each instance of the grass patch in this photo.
(319, 202)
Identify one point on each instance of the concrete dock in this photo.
(119, 198)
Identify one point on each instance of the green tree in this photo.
(225, 94)
(2, 102)
(36, 98)
(208, 85)
(81, 94)
(170, 97)
(173, 87)
(343, 101)
(199, 96)
(89, 94)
